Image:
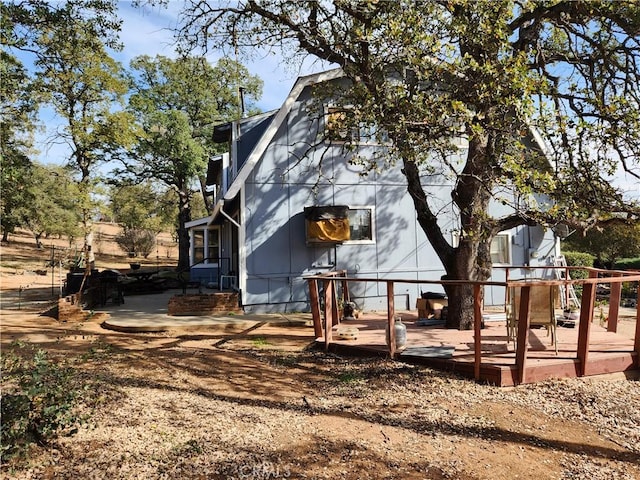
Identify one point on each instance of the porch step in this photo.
(204, 304)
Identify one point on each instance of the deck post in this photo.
(335, 314)
(391, 320)
(584, 328)
(477, 327)
(345, 290)
(314, 300)
(506, 289)
(636, 341)
(614, 305)
(328, 317)
(523, 332)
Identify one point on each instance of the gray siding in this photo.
(285, 180)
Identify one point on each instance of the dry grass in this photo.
(262, 404)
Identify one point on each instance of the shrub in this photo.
(628, 264)
(39, 400)
(137, 241)
(579, 259)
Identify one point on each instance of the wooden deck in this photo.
(453, 350)
(486, 354)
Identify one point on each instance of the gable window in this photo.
(341, 127)
(338, 128)
(500, 249)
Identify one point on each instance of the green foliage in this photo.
(627, 264)
(39, 401)
(51, 206)
(84, 85)
(579, 259)
(18, 106)
(15, 168)
(137, 206)
(259, 342)
(177, 104)
(198, 207)
(608, 243)
(23, 22)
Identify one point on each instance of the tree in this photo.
(17, 124)
(608, 243)
(138, 209)
(76, 76)
(51, 208)
(137, 206)
(178, 102)
(85, 86)
(426, 72)
(23, 22)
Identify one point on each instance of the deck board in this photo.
(453, 350)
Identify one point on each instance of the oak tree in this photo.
(487, 70)
(177, 102)
(17, 124)
(76, 76)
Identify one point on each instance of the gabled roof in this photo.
(280, 116)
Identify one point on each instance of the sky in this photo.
(149, 31)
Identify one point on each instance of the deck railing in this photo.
(331, 282)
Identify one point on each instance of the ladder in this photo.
(567, 292)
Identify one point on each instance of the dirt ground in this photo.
(262, 403)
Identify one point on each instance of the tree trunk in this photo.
(470, 260)
(460, 313)
(184, 216)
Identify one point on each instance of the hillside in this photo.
(21, 253)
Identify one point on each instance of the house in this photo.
(283, 210)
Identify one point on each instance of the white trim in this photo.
(272, 129)
(242, 250)
(205, 229)
(231, 220)
(372, 241)
(200, 221)
(509, 236)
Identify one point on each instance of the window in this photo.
(341, 127)
(198, 246)
(210, 246)
(339, 224)
(213, 245)
(361, 224)
(337, 125)
(500, 251)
